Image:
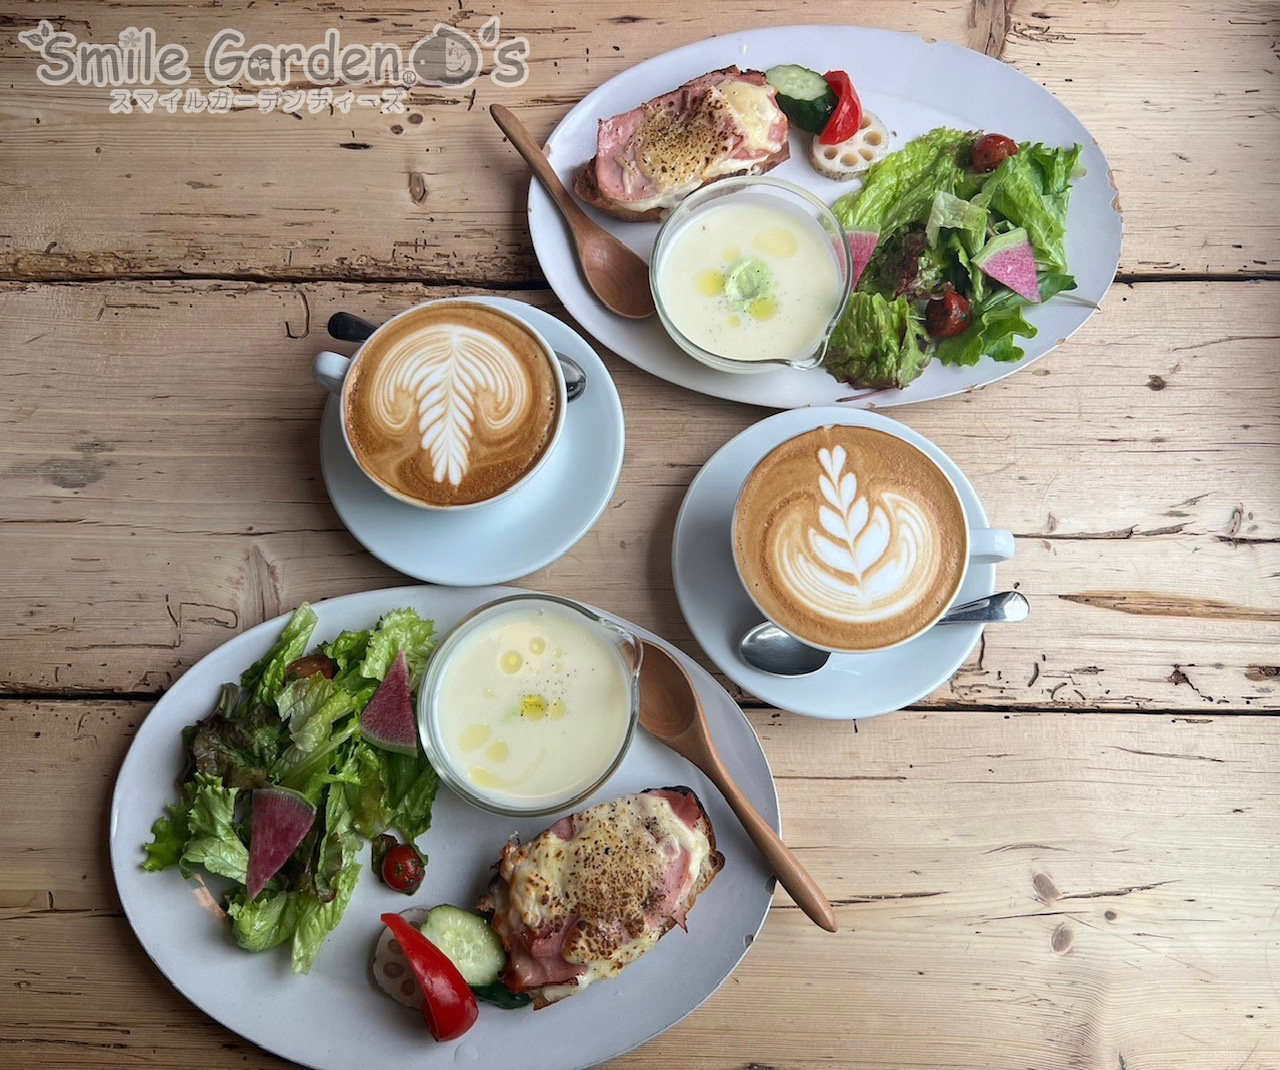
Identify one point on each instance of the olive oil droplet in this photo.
(777, 241)
(475, 736)
(711, 282)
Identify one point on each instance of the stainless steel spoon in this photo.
(768, 648)
(348, 328)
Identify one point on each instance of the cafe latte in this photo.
(452, 404)
(850, 538)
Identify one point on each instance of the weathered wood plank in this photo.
(1056, 890)
(1181, 95)
(436, 194)
(161, 490)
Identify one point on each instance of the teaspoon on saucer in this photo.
(768, 648)
(348, 328)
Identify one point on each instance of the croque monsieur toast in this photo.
(598, 889)
(649, 159)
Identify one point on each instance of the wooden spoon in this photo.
(671, 710)
(615, 274)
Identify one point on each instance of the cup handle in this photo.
(329, 369)
(988, 545)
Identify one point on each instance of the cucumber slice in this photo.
(468, 941)
(803, 95)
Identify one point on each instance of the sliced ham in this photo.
(649, 159)
(598, 889)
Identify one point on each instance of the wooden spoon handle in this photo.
(782, 860)
(526, 146)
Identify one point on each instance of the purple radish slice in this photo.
(281, 820)
(862, 243)
(1009, 258)
(388, 720)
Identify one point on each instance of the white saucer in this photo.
(719, 611)
(523, 532)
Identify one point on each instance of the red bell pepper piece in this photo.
(450, 1006)
(847, 117)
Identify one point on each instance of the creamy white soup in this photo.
(533, 705)
(751, 278)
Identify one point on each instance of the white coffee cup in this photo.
(333, 372)
(980, 546)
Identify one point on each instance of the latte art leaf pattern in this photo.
(868, 558)
(438, 379)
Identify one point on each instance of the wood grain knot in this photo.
(1046, 891)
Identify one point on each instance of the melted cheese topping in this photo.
(681, 154)
(610, 877)
(756, 111)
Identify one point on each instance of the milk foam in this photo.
(865, 560)
(439, 371)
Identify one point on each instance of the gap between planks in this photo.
(1190, 716)
(1122, 278)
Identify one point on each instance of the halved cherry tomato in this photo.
(402, 868)
(990, 151)
(310, 665)
(449, 1008)
(948, 315)
(847, 117)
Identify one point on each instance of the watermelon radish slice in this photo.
(862, 243)
(1009, 258)
(281, 820)
(388, 720)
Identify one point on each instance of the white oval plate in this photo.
(334, 1018)
(913, 86)
(719, 611)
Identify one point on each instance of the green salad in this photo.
(952, 236)
(291, 730)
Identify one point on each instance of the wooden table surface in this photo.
(1065, 858)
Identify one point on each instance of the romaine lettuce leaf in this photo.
(214, 842)
(900, 189)
(955, 213)
(1032, 190)
(339, 843)
(265, 677)
(169, 836)
(998, 322)
(401, 629)
(391, 791)
(266, 922)
(311, 707)
(877, 343)
(316, 920)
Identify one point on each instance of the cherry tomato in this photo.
(449, 1007)
(402, 868)
(991, 150)
(948, 315)
(847, 117)
(310, 666)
